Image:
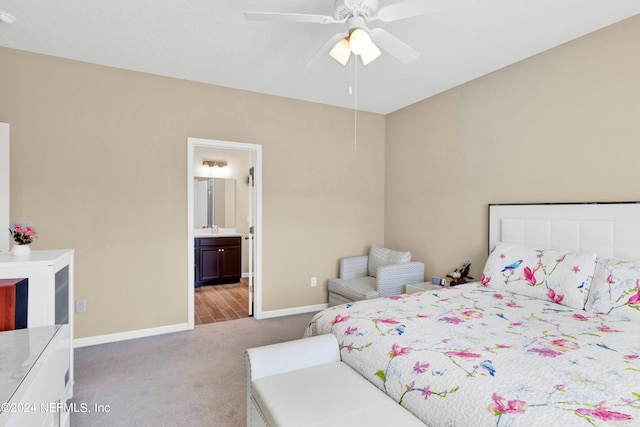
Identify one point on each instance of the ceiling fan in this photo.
(359, 39)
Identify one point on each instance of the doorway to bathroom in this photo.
(231, 209)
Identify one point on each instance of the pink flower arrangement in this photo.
(23, 235)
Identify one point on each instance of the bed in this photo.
(549, 336)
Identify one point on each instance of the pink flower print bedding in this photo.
(472, 355)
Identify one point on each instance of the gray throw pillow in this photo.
(379, 257)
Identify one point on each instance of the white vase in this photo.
(20, 250)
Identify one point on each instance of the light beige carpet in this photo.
(194, 378)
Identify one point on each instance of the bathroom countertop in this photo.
(207, 233)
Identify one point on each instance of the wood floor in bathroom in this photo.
(217, 303)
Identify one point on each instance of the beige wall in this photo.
(559, 127)
(98, 163)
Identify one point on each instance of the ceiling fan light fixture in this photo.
(341, 51)
(359, 41)
(370, 54)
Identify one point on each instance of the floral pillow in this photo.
(379, 257)
(615, 289)
(562, 277)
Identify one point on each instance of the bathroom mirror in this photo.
(214, 202)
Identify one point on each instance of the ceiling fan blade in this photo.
(410, 8)
(323, 53)
(291, 17)
(393, 45)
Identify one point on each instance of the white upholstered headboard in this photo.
(608, 229)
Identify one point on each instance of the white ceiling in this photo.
(210, 41)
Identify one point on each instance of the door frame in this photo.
(256, 149)
(4, 186)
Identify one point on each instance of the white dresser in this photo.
(50, 277)
(35, 376)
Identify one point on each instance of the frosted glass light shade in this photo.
(370, 54)
(359, 41)
(341, 51)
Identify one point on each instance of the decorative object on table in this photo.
(460, 275)
(23, 236)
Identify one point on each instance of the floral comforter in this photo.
(470, 355)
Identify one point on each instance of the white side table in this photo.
(422, 287)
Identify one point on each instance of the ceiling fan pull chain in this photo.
(355, 107)
(350, 79)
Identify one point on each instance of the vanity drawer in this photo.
(218, 241)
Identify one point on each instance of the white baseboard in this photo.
(290, 311)
(141, 333)
(121, 336)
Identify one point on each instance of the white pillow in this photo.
(379, 257)
(549, 274)
(615, 289)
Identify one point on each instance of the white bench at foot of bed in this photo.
(304, 383)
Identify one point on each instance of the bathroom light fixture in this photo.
(214, 164)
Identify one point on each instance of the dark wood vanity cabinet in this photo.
(217, 260)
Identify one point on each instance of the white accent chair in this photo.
(382, 273)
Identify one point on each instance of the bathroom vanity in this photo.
(217, 259)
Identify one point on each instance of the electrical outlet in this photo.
(81, 306)
(314, 281)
